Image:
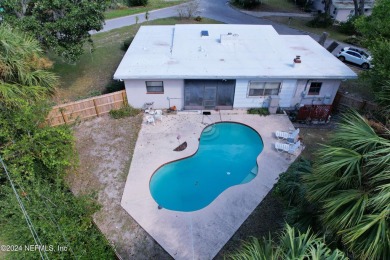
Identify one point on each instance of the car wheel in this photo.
(342, 58)
(365, 66)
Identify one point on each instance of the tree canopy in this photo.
(61, 25)
(37, 158)
(375, 31)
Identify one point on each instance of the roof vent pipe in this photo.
(297, 60)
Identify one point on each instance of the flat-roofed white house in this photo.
(226, 66)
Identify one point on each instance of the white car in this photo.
(355, 56)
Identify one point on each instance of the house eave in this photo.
(178, 77)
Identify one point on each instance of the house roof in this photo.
(228, 52)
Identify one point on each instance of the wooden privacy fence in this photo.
(342, 101)
(86, 108)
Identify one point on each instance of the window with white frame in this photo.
(154, 87)
(258, 88)
(315, 88)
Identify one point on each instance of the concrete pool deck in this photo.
(200, 234)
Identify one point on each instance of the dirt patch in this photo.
(105, 148)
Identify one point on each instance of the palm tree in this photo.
(292, 245)
(351, 180)
(23, 69)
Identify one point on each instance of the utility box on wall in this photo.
(273, 104)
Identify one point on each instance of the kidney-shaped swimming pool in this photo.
(226, 157)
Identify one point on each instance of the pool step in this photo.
(210, 133)
(254, 170)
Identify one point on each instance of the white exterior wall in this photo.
(291, 93)
(241, 99)
(300, 88)
(342, 15)
(287, 92)
(137, 96)
(327, 93)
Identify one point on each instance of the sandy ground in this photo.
(105, 148)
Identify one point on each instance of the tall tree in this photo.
(359, 7)
(375, 30)
(23, 69)
(60, 25)
(351, 181)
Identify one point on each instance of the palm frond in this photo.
(254, 249)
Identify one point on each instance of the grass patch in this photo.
(300, 24)
(152, 5)
(125, 111)
(94, 71)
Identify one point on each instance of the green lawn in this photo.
(152, 5)
(300, 24)
(94, 71)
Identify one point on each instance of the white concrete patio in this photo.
(199, 234)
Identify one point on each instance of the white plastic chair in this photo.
(288, 148)
(158, 115)
(290, 137)
(150, 120)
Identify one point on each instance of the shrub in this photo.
(126, 43)
(353, 40)
(125, 111)
(115, 85)
(137, 2)
(263, 111)
(321, 21)
(247, 3)
(348, 27)
(198, 18)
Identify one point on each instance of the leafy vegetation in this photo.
(152, 5)
(125, 111)
(375, 31)
(263, 111)
(137, 2)
(127, 42)
(344, 195)
(299, 212)
(292, 244)
(320, 21)
(37, 158)
(23, 69)
(61, 26)
(351, 182)
(247, 3)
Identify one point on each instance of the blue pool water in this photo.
(226, 157)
